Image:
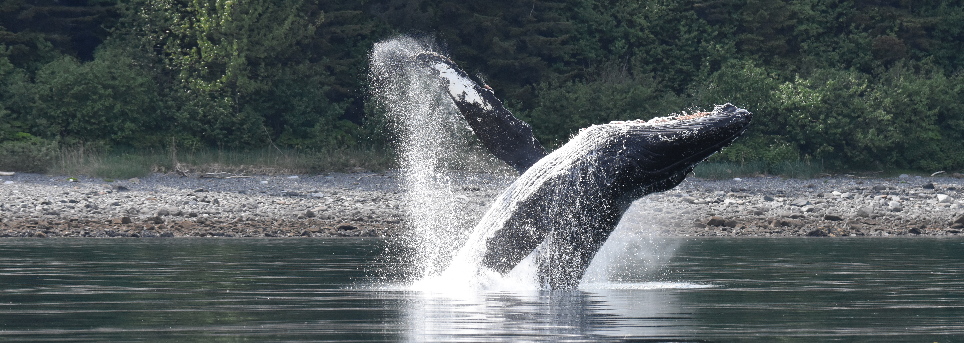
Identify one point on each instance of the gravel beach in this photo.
(372, 204)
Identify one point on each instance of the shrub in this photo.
(26, 153)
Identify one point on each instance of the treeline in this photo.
(862, 84)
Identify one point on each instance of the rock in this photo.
(929, 185)
(944, 199)
(345, 227)
(800, 202)
(715, 221)
(817, 233)
(879, 188)
(916, 231)
(163, 212)
(121, 220)
(894, 206)
(865, 212)
(767, 198)
(959, 220)
(309, 214)
(689, 200)
(155, 220)
(832, 217)
(903, 176)
(291, 194)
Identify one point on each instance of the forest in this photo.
(853, 85)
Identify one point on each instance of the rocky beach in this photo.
(373, 204)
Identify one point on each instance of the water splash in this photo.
(430, 137)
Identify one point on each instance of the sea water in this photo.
(309, 289)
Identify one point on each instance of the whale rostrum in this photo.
(565, 204)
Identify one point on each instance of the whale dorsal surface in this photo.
(568, 202)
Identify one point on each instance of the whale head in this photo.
(655, 155)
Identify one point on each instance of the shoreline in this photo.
(372, 205)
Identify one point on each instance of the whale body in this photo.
(565, 204)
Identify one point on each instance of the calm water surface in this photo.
(748, 289)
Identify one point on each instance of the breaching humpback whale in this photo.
(566, 203)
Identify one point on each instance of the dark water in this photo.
(794, 290)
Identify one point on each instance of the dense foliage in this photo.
(854, 84)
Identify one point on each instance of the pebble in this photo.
(832, 217)
(865, 211)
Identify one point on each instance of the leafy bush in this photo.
(109, 99)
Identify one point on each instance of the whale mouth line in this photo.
(692, 158)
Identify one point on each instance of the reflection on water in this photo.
(797, 290)
(597, 315)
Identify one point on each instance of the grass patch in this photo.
(798, 169)
(728, 170)
(82, 160)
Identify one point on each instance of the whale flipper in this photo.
(505, 136)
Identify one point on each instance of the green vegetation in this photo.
(83, 160)
(110, 88)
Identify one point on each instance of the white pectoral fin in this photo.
(461, 87)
